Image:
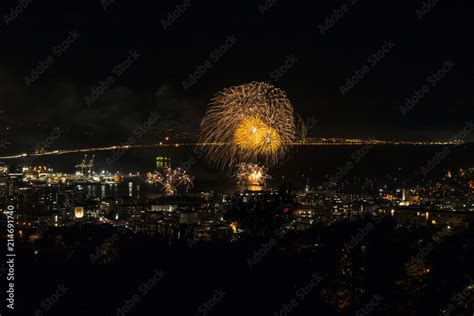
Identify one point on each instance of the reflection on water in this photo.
(138, 189)
(132, 189)
(306, 164)
(251, 187)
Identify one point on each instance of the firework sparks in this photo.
(170, 180)
(252, 122)
(251, 173)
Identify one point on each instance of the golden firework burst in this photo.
(251, 174)
(254, 134)
(252, 122)
(170, 180)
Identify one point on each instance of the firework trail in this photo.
(253, 122)
(250, 173)
(170, 180)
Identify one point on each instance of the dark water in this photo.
(313, 162)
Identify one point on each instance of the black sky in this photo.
(288, 28)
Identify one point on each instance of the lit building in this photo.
(162, 162)
(79, 212)
(3, 181)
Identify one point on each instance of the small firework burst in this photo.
(251, 122)
(251, 173)
(170, 180)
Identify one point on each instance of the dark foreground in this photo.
(322, 271)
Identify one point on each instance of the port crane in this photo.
(86, 167)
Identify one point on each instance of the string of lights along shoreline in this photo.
(304, 142)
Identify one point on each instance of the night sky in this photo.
(258, 44)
